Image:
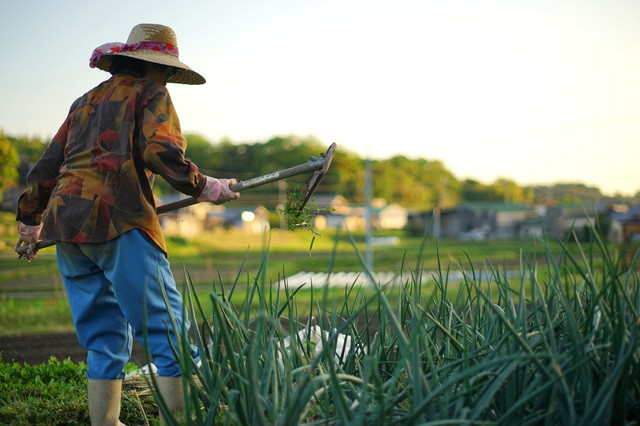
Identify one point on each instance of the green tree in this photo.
(569, 193)
(396, 180)
(346, 176)
(445, 187)
(9, 162)
(31, 148)
(472, 190)
(415, 183)
(199, 151)
(282, 152)
(508, 190)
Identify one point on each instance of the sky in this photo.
(537, 91)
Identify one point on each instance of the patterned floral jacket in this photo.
(94, 180)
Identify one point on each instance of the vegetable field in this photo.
(558, 342)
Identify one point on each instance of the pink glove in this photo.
(30, 236)
(217, 191)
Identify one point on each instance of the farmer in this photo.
(91, 193)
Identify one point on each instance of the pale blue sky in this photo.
(537, 91)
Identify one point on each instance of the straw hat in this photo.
(152, 43)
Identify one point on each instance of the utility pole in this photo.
(436, 221)
(368, 185)
(282, 199)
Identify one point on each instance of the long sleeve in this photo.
(94, 181)
(42, 178)
(163, 147)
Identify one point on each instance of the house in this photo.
(480, 220)
(334, 202)
(248, 219)
(335, 212)
(332, 210)
(197, 218)
(631, 230)
(476, 221)
(390, 216)
(625, 223)
(532, 227)
(185, 222)
(438, 222)
(563, 219)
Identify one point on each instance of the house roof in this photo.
(631, 215)
(494, 205)
(236, 212)
(324, 200)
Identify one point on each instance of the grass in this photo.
(34, 316)
(211, 254)
(218, 256)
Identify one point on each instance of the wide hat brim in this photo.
(185, 74)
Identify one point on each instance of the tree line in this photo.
(413, 183)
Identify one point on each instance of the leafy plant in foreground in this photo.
(34, 394)
(55, 392)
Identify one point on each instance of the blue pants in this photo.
(107, 284)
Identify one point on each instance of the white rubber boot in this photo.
(104, 402)
(170, 389)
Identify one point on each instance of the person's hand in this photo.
(217, 191)
(28, 236)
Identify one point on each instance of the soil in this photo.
(38, 348)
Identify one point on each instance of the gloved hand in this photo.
(30, 236)
(217, 191)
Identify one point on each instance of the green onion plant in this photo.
(558, 343)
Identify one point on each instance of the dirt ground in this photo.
(36, 349)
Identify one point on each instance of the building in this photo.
(495, 220)
(563, 220)
(253, 220)
(185, 222)
(197, 218)
(625, 223)
(335, 212)
(476, 221)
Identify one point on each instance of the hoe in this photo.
(317, 165)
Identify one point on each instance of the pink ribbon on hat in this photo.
(110, 48)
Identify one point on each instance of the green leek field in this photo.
(497, 332)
